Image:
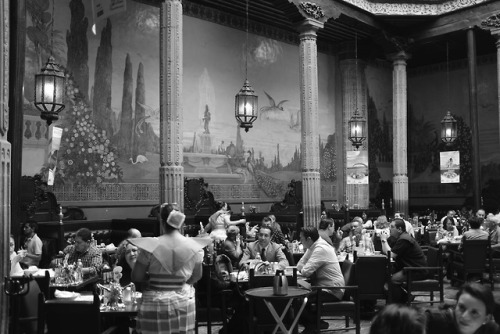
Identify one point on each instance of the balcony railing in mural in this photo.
(146, 192)
(35, 131)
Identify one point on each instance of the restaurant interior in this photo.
(338, 109)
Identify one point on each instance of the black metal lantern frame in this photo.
(49, 91)
(448, 129)
(357, 129)
(246, 106)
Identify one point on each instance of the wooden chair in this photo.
(475, 258)
(67, 316)
(372, 274)
(211, 305)
(348, 307)
(432, 283)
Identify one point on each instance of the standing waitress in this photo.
(169, 265)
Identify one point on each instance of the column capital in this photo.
(309, 27)
(492, 23)
(398, 57)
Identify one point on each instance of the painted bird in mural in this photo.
(272, 108)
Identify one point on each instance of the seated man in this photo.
(475, 232)
(491, 226)
(32, 245)
(276, 234)
(407, 253)
(319, 263)
(83, 250)
(326, 230)
(133, 233)
(267, 250)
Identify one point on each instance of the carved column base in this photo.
(172, 185)
(311, 197)
(401, 194)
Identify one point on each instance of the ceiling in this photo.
(426, 37)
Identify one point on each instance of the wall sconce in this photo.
(49, 91)
(448, 129)
(357, 129)
(245, 106)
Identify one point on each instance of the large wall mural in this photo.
(110, 144)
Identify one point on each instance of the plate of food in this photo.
(31, 270)
(66, 294)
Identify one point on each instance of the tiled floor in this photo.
(449, 296)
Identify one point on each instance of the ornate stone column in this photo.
(171, 129)
(354, 96)
(399, 126)
(311, 188)
(5, 161)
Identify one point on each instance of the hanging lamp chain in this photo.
(246, 44)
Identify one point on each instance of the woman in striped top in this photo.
(169, 265)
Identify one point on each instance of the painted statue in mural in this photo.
(206, 120)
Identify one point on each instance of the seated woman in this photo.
(473, 313)
(219, 221)
(15, 258)
(233, 245)
(446, 230)
(126, 258)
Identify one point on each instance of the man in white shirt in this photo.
(321, 264)
(32, 244)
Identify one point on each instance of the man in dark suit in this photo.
(265, 249)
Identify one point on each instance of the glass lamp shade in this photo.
(448, 129)
(49, 91)
(357, 129)
(245, 106)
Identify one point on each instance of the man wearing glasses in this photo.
(267, 250)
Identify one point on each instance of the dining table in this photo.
(267, 295)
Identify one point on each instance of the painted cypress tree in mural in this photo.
(76, 39)
(328, 156)
(139, 135)
(122, 139)
(102, 82)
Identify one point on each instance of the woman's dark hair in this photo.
(165, 210)
(219, 205)
(447, 222)
(481, 292)
(396, 319)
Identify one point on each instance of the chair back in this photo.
(371, 275)
(476, 254)
(67, 316)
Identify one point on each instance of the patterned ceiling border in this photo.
(425, 9)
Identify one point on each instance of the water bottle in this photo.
(242, 209)
(280, 284)
(257, 257)
(361, 248)
(78, 272)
